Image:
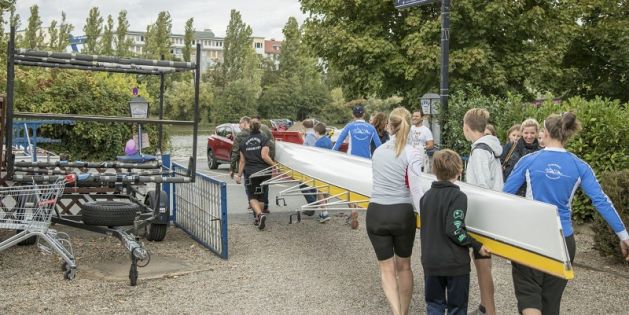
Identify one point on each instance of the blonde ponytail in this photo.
(400, 121)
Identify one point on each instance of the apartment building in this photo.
(272, 49)
(211, 46)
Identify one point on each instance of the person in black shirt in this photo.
(254, 157)
(445, 243)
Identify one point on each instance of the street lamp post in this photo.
(445, 47)
(139, 108)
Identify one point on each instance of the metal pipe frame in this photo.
(107, 59)
(77, 164)
(98, 118)
(97, 63)
(195, 128)
(104, 68)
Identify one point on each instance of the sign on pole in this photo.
(401, 4)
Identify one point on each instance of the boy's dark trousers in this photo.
(449, 293)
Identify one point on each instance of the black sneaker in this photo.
(266, 210)
(308, 212)
(262, 220)
(256, 219)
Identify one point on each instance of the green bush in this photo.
(616, 186)
(80, 92)
(603, 143)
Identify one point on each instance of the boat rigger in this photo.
(518, 229)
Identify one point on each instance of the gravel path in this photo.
(302, 268)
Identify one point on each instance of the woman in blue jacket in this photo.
(552, 175)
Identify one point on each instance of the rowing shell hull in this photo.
(521, 230)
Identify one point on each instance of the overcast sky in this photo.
(267, 18)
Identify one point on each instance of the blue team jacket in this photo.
(553, 175)
(361, 134)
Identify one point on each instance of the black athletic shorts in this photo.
(391, 229)
(254, 189)
(538, 290)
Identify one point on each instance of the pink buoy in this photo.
(130, 148)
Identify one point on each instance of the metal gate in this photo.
(200, 209)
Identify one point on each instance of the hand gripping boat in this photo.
(521, 230)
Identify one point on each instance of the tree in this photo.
(64, 34)
(292, 51)
(236, 99)
(237, 79)
(93, 28)
(336, 111)
(157, 39)
(122, 42)
(33, 37)
(500, 45)
(299, 92)
(179, 100)
(107, 41)
(53, 34)
(88, 93)
(188, 37)
(14, 18)
(239, 57)
(597, 60)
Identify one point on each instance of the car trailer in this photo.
(105, 191)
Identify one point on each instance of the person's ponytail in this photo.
(400, 120)
(569, 124)
(562, 127)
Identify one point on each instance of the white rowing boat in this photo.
(521, 230)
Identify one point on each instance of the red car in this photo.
(219, 145)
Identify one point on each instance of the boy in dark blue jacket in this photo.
(445, 243)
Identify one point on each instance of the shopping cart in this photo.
(28, 209)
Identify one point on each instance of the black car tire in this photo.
(156, 232)
(212, 163)
(109, 213)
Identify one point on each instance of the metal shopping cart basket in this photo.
(28, 209)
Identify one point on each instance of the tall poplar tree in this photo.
(237, 79)
(33, 37)
(237, 47)
(65, 29)
(107, 41)
(14, 21)
(53, 35)
(157, 39)
(122, 42)
(188, 37)
(92, 29)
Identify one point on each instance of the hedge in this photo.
(603, 143)
(80, 92)
(616, 186)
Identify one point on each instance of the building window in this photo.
(141, 38)
(258, 45)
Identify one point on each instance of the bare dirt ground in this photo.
(305, 268)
